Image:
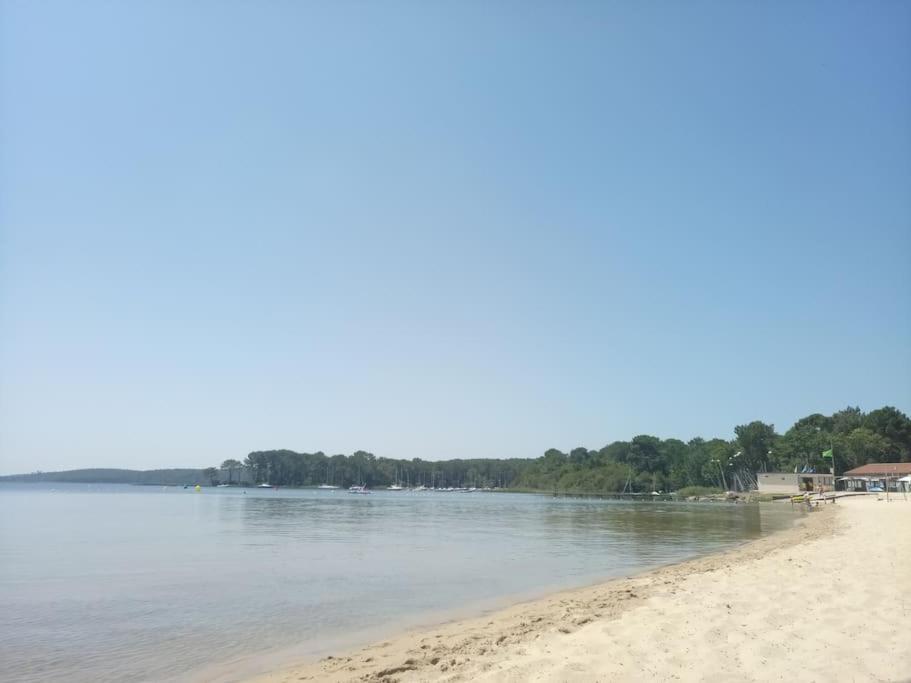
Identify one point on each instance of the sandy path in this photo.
(829, 600)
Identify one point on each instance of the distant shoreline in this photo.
(50, 478)
(672, 496)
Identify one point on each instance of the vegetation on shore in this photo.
(643, 464)
(169, 477)
(688, 491)
(640, 465)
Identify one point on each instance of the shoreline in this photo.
(491, 643)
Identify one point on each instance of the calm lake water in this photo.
(123, 583)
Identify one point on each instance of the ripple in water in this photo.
(117, 583)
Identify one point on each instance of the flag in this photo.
(827, 454)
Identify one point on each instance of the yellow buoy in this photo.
(198, 488)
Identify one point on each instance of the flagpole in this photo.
(830, 455)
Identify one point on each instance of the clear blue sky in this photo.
(447, 229)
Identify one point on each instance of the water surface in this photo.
(125, 583)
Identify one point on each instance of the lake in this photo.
(128, 583)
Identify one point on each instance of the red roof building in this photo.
(881, 469)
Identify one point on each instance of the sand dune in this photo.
(828, 600)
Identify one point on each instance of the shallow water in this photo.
(123, 583)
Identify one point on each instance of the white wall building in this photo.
(793, 482)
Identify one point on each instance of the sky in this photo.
(449, 229)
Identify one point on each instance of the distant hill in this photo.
(113, 476)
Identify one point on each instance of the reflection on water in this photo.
(139, 583)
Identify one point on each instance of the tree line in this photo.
(168, 477)
(643, 464)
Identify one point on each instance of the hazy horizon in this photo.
(429, 457)
(447, 230)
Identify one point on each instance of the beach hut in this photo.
(793, 482)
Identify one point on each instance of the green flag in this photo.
(827, 454)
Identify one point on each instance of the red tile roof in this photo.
(881, 468)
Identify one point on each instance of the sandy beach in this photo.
(827, 600)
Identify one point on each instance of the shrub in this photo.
(698, 491)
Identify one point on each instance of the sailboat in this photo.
(327, 486)
(395, 486)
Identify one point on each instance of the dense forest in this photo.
(643, 464)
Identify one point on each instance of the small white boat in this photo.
(359, 489)
(395, 487)
(327, 487)
(264, 486)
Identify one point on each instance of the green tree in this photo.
(674, 453)
(641, 464)
(645, 454)
(581, 456)
(860, 447)
(718, 467)
(231, 465)
(755, 441)
(895, 426)
(847, 420)
(802, 446)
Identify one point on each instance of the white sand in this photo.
(829, 600)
